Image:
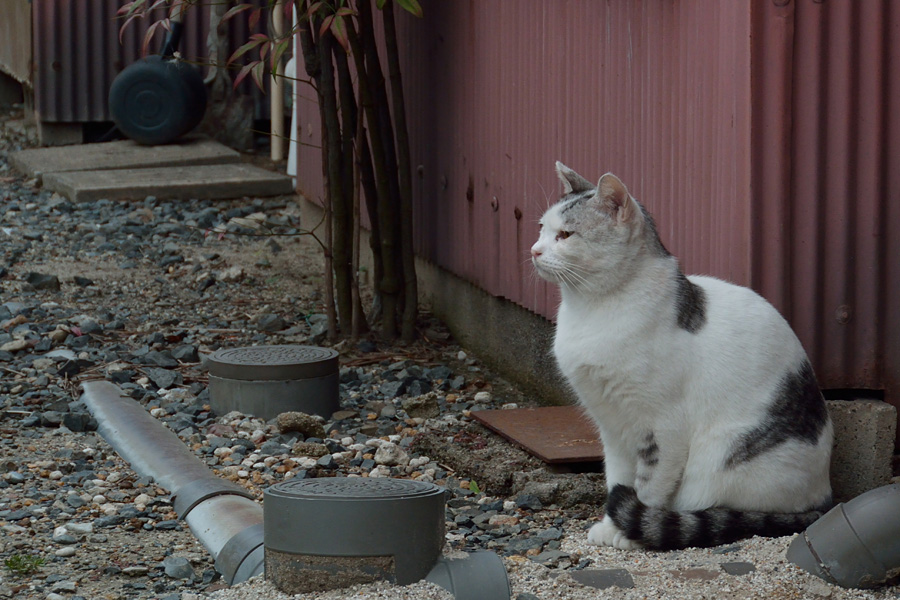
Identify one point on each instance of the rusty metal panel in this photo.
(77, 53)
(15, 39)
(827, 188)
(555, 434)
(760, 134)
(657, 92)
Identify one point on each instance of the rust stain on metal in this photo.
(554, 434)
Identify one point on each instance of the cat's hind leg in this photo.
(605, 533)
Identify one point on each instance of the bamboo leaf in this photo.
(151, 31)
(242, 74)
(411, 6)
(244, 50)
(235, 10)
(326, 24)
(280, 49)
(345, 12)
(258, 71)
(380, 4)
(126, 24)
(313, 9)
(339, 29)
(254, 18)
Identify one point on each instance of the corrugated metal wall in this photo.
(758, 133)
(498, 91)
(826, 182)
(77, 54)
(15, 39)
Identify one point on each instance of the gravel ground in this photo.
(139, 292)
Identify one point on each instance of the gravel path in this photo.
(139, 292)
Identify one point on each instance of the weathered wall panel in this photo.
(824, 248)
(15, 39)
(77, 53)
(760, 134)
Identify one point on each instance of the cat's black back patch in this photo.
(690, 304)
(797, 412)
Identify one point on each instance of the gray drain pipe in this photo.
(854, 545)
(224, 517)
(221, 514)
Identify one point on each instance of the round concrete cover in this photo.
(267, 363)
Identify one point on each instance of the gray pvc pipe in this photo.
(856, 544)
(221, 514)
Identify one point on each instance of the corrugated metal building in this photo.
(759, 133)
(68, 52)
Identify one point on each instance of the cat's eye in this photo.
(563, 235)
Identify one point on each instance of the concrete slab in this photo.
(170, 183)
(121, 155)
(863, 446)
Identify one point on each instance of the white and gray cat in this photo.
(713, 426)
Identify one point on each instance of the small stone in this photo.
(15, 477)
(527, 596)
(178, 567)
(136, 571)
(738, 568)
(482, 397)
(603, 578)
(41, 281)
(425, 407)
(342, 415)
(270, 322)
(163, 378)
(80, 528)
(393, 389)
(303, 423)
(819, 588)
(65, 586)
(14, 346)
(390, 454)
(528, 501)
(550, 557)
(65, 552)
(309, 449)
(327, 462)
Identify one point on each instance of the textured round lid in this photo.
(273, 362)
(353, 488)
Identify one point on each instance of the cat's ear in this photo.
(615, 196)
(572, 181)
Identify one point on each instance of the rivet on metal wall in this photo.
(421, 171)
(781, 2)
(443, 182)
(495, 203)
(842, 314)
(470, 190)
(517, 213)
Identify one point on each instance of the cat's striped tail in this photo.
(663, 529)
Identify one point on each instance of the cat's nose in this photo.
(535, 252)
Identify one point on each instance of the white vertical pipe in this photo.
(276, 106)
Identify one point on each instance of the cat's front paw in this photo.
(605, 533)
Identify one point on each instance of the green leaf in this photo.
(258, 72)
(242, 74)
(380, 4)
(474, 487)
(235, 10)
(326, 24)
(339, 29)
(253, 43)
(411, 6)
(313, 9)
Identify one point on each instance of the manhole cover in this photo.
(554, 434)
(340, 488)
(273, 362)
(323, 533)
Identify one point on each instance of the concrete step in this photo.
(172, 183)
(121, 155)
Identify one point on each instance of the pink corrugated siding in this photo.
(760, 134)
(652, 91)
(827, 251)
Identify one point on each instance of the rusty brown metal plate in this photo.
(555, 434)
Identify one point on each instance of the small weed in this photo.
(23, 565)
(474, 487)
